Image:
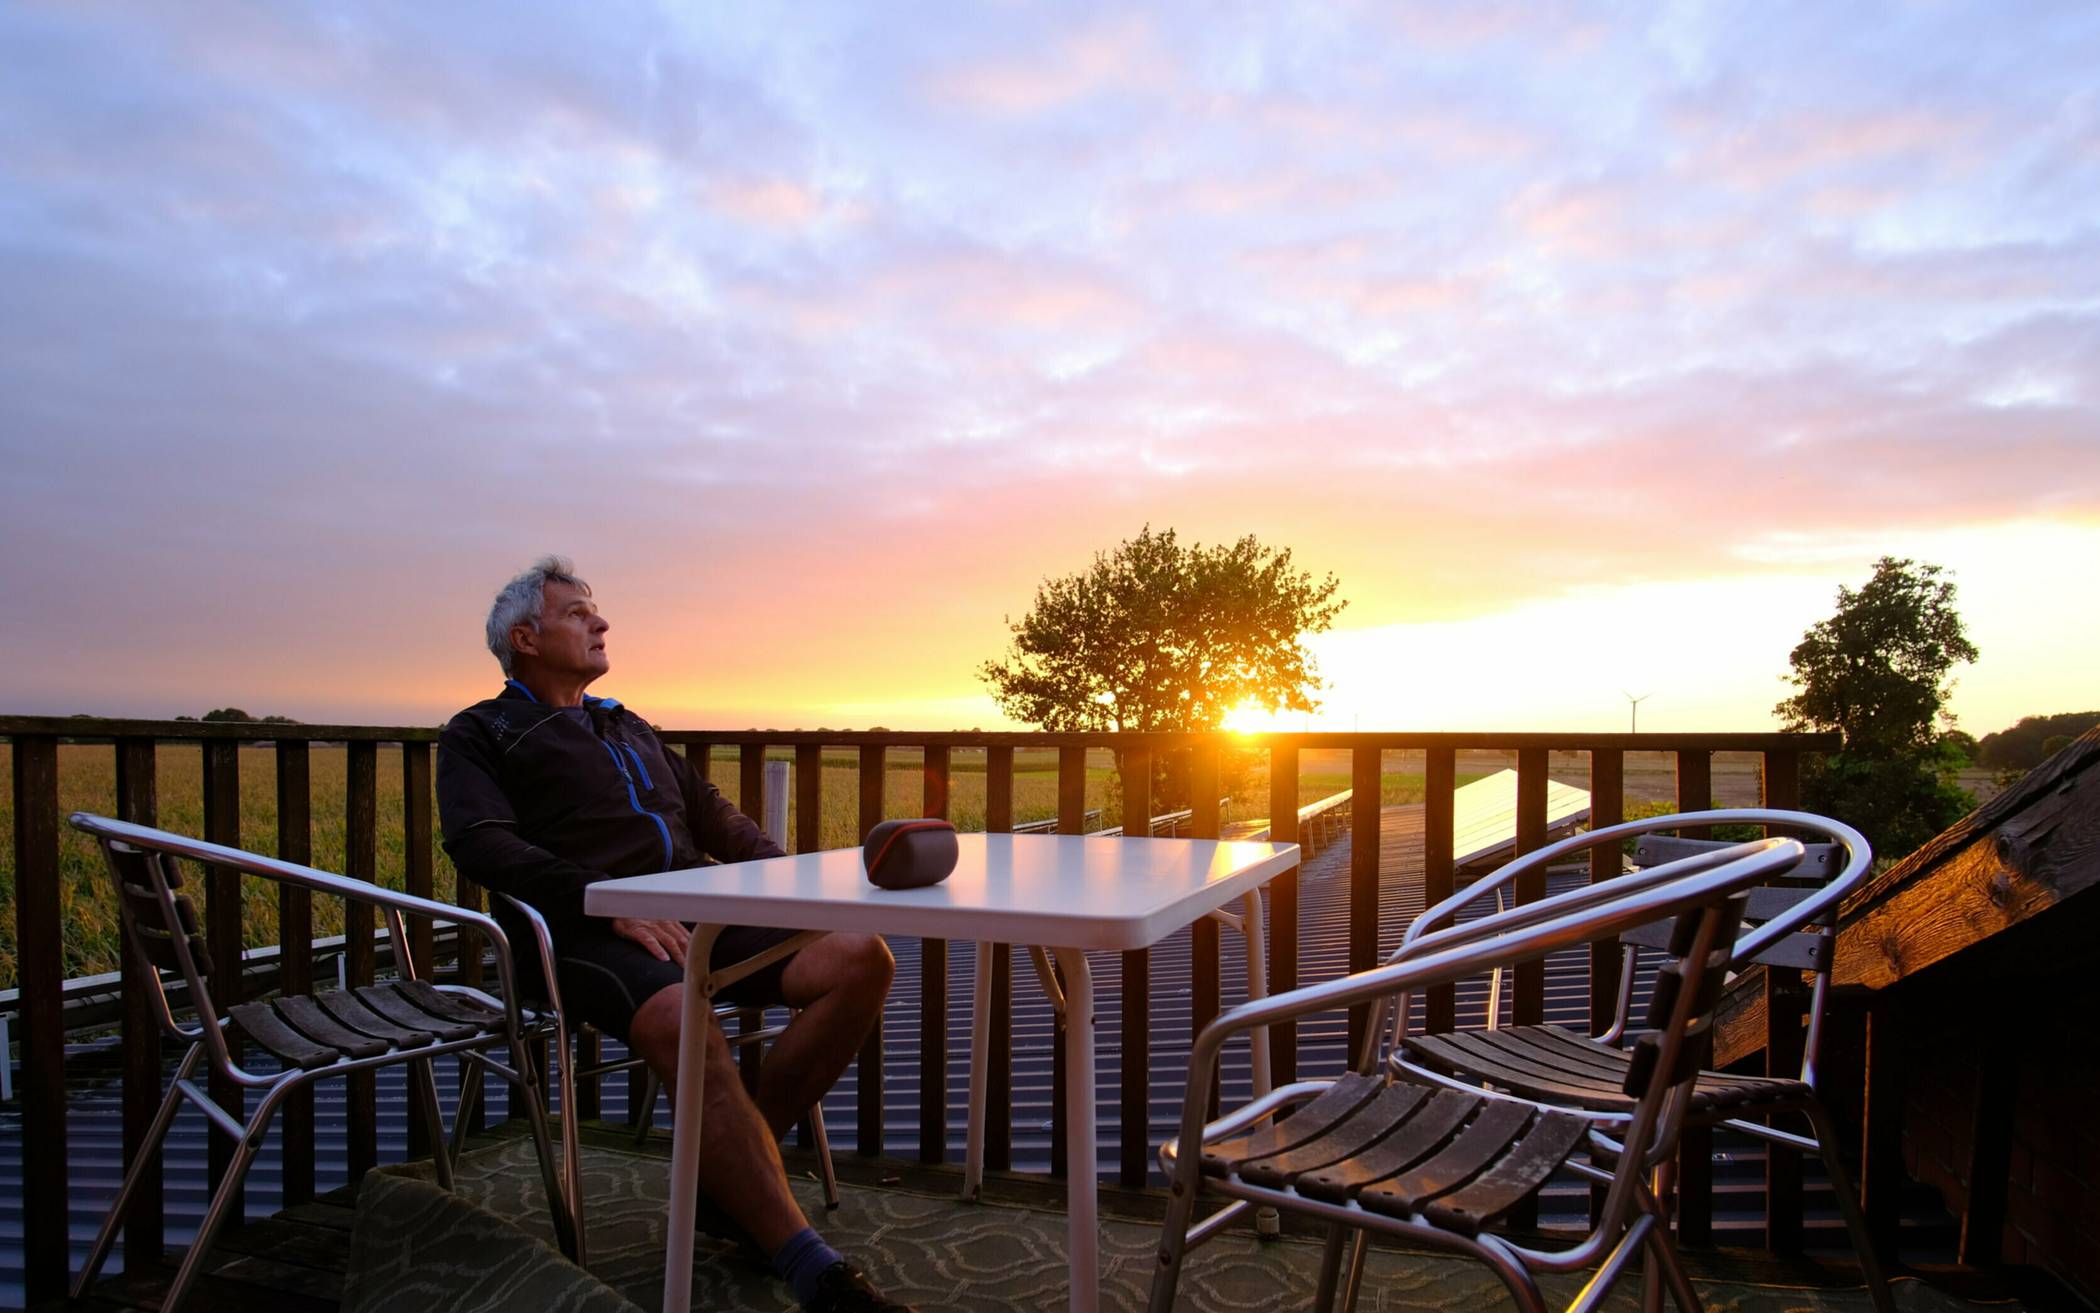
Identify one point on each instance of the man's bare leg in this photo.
(839, 984)
(739, 1154)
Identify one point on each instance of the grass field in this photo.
(87, 782)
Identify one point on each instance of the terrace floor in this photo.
(904, 1224)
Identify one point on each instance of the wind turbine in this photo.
(1634, 708)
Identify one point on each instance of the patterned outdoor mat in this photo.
(939, 1253)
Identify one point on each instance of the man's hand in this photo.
(666, 939)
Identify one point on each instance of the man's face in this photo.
(571, 637)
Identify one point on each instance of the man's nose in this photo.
(600, 624)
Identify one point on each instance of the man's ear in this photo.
(525, 639)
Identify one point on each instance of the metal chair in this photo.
(313, 1036)
(1366, 1153)
(1790, 926)
(555, 1025)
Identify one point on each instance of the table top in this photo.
(1055, 890)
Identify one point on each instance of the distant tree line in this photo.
(236, 714)
(2026, 744)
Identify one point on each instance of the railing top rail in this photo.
(90, 727)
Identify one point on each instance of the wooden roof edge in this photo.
(2026, 852)
(2035, 785)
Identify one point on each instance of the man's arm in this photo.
(481, 831)
(719, 829)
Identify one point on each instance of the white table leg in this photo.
(1257, 987)
(1266, 1219)
(1082, 1180)
(694, 1018)
(980, 1070)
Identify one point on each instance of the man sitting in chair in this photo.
(542, 790)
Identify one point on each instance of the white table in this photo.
(1063, 893)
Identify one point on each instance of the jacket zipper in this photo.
(663, 831)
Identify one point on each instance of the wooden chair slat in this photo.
(1464, 1051)
(1434, 1122)
(347, 1009)
(1529, 1164)
(387, 1001)
(1337, 1142)
(1334, 1103)
(450, 1005)
(319, 1025)
(259, 1022)
(1484, 1139)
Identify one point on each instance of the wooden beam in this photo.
(868, 1067)
(1365, 765)
(1283, 910)
(295, 962)
(1439, 869)
(809, 798)
(40, 971)
(1528, 1007)
(2023, 853)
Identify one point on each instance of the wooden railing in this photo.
(37, 872)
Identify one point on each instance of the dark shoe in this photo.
(710, 1220)
(842, 1289)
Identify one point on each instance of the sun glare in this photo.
(1251, 718)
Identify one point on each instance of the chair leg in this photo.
(825, 1170)
(543, 1146)
(1848, 1207)
(1330, 1268)
(424, 1082)
(469, 1110)
(1174, 1240)
(1663, 1259)
(221, 1204)
(158, 1131)
(571, 1143)
(1359, 1256)
(1515, 1276)
(646, 1114)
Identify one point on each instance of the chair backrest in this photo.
(162, 925)
(1802, 945)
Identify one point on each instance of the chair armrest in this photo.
(543, 939)
(306, 877)
(1505, 939)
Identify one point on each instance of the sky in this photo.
(1592, 347)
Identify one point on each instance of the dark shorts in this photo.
(605, 978)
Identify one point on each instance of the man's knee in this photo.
(865, 963)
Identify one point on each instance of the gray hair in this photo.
(522, 600)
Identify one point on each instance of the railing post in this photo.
(868, 1108)
(1204, 993)
(1283, 909)
(998, 1129)
(1529, 1006)
(360, 862)
(144, 1234)
(1136, 1057)
(225, 934)
(1607, 808)
(295, 960)
(933, 985)
(1439, 870)
(467, 894)
(751, 783)
(1366, 766)
(40, 966)
(1695, 1145)
(809, 797)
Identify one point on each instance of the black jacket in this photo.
(538, 801)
